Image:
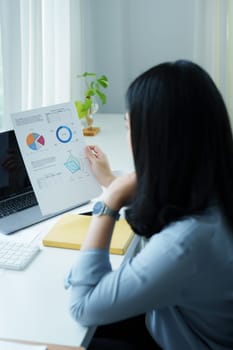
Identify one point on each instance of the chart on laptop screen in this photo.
(52, 146)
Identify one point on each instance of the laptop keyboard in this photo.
(17, 204)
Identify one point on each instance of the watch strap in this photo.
(100, 208)
(111, 212)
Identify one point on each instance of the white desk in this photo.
(33, 303)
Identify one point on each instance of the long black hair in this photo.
(182, 146)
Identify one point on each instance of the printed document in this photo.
(52, 146)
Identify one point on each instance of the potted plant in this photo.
(89, 105)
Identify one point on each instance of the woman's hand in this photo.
(99, 165)
(120, 191)
(116, 195)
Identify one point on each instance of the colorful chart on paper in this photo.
(35, 141)
(53, 149)
(64, 134)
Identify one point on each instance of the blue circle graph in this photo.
(64, 134)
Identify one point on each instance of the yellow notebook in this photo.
(70, 230)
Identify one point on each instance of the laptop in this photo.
(18, 204)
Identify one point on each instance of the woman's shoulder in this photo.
(198, 232)
(207, 220)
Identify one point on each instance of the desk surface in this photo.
(34, 304)
(49, 346)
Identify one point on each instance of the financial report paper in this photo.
(52, 146)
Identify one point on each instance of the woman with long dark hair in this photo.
(177, 292)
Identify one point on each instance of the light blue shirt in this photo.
(182, 279)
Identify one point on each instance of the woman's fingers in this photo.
(100, 165)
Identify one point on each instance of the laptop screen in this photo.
(13, 175)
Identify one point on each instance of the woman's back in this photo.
(182, 145)
(196, 305)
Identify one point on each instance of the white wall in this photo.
(125, 37)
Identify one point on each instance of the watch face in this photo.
(98, 208)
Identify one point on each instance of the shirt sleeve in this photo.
(154, 278)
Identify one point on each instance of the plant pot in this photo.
(88, 128)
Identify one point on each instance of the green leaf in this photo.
(102, 96)
(87, 104)
(90, 92)
(103, 81)
(93, 87)
(79, 106)
(86, 74)
(97, 86)
(83, 107)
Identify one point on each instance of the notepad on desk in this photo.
(71, 229)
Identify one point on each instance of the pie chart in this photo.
(35, 141)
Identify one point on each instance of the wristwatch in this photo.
(100, 208)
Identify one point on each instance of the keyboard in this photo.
(13, 205)
(15, 254)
